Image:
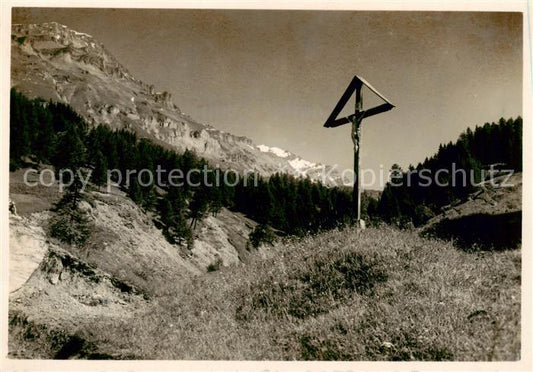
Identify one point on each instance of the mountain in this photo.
(54, 62)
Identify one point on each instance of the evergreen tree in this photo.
(198, 207)
(99, 174)
(148, 197)
(45, 137)
(388, 206)
(70, 152)
(171, 210)
(19, 136)
(134, 190)
(70, 224)
(215, 200)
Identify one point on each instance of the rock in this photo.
(65, 275)
(84, 206)
(12, 207)
(54, 279)
(53, 268)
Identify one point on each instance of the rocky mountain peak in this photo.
(57, 41)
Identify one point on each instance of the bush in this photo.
(262, 234)
(14, 164)
(215, 265)
(422, 214)
(179, 234)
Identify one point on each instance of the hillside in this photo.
(489, 219)
(457, 171)
(125, 241)
(127, 263)
(53, 62)
(381, 294)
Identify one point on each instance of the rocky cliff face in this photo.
(51, 61)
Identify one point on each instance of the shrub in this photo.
(262, 234)
(422, 214)
(214, 266)
(179, 234)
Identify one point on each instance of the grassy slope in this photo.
(380, 294)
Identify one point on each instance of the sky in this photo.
(275, 76)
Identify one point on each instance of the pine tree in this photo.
(174, 220)
(198, 207)
(71, 152)
(388, 207)
(19, 136)
(149, 197)
(99, 174)
(215, 200)
(46, 138)
(134, 191)
(70, 224)
(372, 208)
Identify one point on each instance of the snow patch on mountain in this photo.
(275, 150)
(300, 164)
(82, 34)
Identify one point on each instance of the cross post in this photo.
(356, 85)
(356, 138)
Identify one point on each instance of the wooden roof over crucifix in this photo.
(356, 84)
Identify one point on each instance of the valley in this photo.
(102, 269)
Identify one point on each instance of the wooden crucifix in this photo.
(356, 85)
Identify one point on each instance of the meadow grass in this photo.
(378, 294)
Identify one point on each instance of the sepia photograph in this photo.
(206, 184)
